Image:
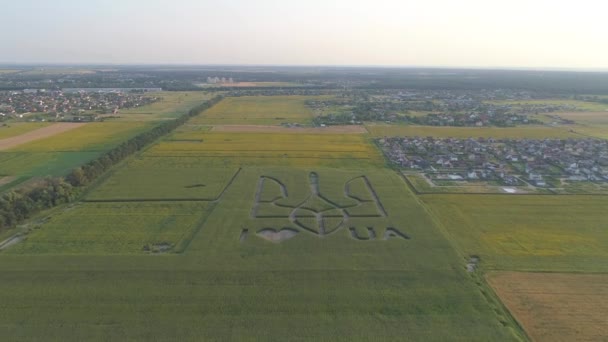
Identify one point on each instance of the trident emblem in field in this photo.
(316, 214)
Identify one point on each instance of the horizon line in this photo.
(374, 66)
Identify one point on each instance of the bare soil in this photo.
(353, 129)
(38, 134)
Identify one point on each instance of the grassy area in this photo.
(95, 136)
(580, 105)
(18, 128)
(532, 132)
(261, 110)
(113, 228)
(556, 306)
(530, 232)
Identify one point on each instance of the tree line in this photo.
(20, 204)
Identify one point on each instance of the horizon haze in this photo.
(436, 34)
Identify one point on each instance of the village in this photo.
(56, 105)
(437, 108)
(540, 163)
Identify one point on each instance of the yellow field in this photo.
(263, 110)
(597, 131)
(556, 306)
(527, 232)
(278, 148)
(590, 118)
(93, 136)
(532, 132)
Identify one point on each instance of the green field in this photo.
(315, 286)
(530, 232)
(114, 228)
(258, 110)
(165, 178)
(18, 128)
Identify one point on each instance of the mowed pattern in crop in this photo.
(528, 232)
(165, 179)
(556, 306)
(114, 228)
(261, 149)
(261, 110)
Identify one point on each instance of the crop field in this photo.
(556, 306)
(356, 259)
(259, 110)
(24, 166)
(528, 232)
(96, 136)
(114, 228)
(532, 132)
(270, 149)
(596, 131)
(580, 105)
(18, 128)
(172, 105)
(587, 118)
(165, 179)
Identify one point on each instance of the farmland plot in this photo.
(263, 110)
(149, 179)
(556, 306)
(528, 232)
(114, 228)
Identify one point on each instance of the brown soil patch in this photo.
(6, 180)
(38, 134)
(556, 306)
(280, 129)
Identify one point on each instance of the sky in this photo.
(426, 33)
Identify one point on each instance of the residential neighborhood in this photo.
(541, 163)
(57, 105)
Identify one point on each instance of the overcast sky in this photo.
(461, 33)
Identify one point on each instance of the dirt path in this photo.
(354, 129)
(38, 134)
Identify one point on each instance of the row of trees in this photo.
(20, 204)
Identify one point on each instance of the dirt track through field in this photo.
(38, 134)
(280, 129)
